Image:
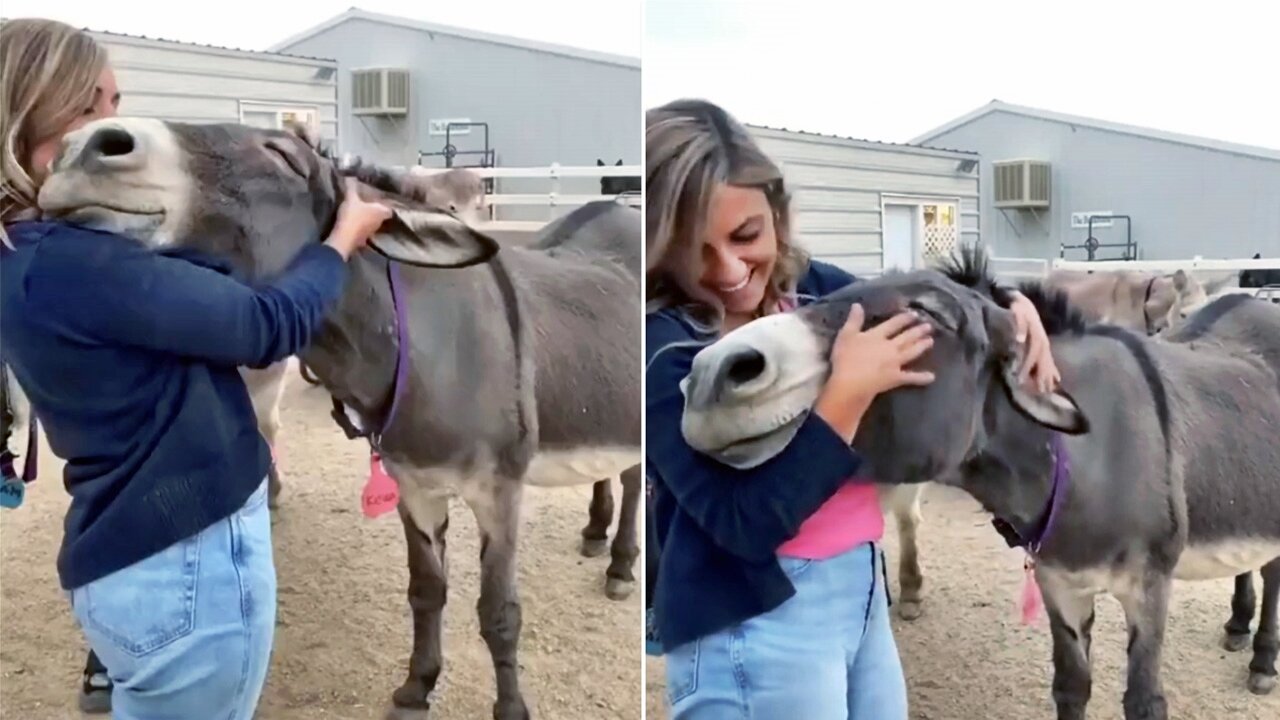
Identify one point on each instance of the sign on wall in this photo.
(438, 126)
(1080, 220)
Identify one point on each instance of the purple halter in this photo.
(1057, 496)
(400, 380)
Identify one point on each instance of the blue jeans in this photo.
(187, 632)
(826, 654)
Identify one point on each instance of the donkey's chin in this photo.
(140, 225)
(758, 449)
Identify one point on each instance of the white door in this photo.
(899, 236)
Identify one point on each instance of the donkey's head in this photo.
(748, 393)
(252, 196)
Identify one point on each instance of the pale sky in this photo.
(890, 70)
(613, 26)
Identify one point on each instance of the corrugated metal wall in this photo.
(1184, 200)
(838, 187)
(192, 83)
(541, 107)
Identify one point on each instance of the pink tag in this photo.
(1032, 601)
(381, 493)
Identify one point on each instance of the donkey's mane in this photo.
(971, 267)
(387, 180)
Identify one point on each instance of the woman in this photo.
(166, 556)
(770, 601)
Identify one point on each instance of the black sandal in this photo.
(95, 687)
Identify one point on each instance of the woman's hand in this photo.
(357, 221)
(1038, 360)
(867, 363)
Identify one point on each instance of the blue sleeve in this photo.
(749, 513)
(103, 288)
(824, 278)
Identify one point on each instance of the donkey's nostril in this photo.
(745, 366)
(110, 142)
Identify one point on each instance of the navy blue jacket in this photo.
(718, 528)
(129, 359)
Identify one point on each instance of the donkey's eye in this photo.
(931, 312)
(289, 159)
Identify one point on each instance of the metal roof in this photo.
(199, 45)
(879, 144)
(535, 45)
(996, 106)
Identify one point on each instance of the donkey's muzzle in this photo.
(109, 148)
(724, 371)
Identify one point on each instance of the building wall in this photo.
(1184, 200)
(192, 83)
(542, 108)
(838, 186)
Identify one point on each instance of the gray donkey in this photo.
(1162, 466)
(512, 367)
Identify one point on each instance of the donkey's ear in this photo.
(432, 239)
(1056, 410)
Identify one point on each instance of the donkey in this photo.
(1146, 302)
(1162, 466)
(512, 367)
(617, 185)
(1166, 303)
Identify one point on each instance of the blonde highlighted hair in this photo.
(691, 146)
(48, 73)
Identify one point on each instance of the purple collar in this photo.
(1057, 496)
(402, 352)
(398, 383)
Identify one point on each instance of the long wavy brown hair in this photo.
(48, 72)
(691, 146)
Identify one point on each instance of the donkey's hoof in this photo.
(510, 711)
(1260, 684)
(616, 589)
(594, 548)
(910, 610)
(397, 712)
(1235, 643)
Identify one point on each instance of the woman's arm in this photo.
(747, 512)
(106, 288)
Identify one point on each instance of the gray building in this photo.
(205, 84)
(402, 82)
(1045, 173)
(868, 206)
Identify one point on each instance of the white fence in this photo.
(553, 198)
(1035, 268)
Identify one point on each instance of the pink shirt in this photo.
(851, 517)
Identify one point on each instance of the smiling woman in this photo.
(128, 358)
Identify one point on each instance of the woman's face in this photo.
(105, 103)
(740, 248)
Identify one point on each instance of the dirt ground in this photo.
(344, 633)
(969, 657)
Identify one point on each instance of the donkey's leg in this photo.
(425, 520)
(1243, 604)
(620, 581)
(1146, 610)
(1071, 617)
(496, 505)
(595, 536)
(910, 577)
(1266, 644)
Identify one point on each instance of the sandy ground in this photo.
(344, 633)
(969, 657)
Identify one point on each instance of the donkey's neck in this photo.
(354, 353)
